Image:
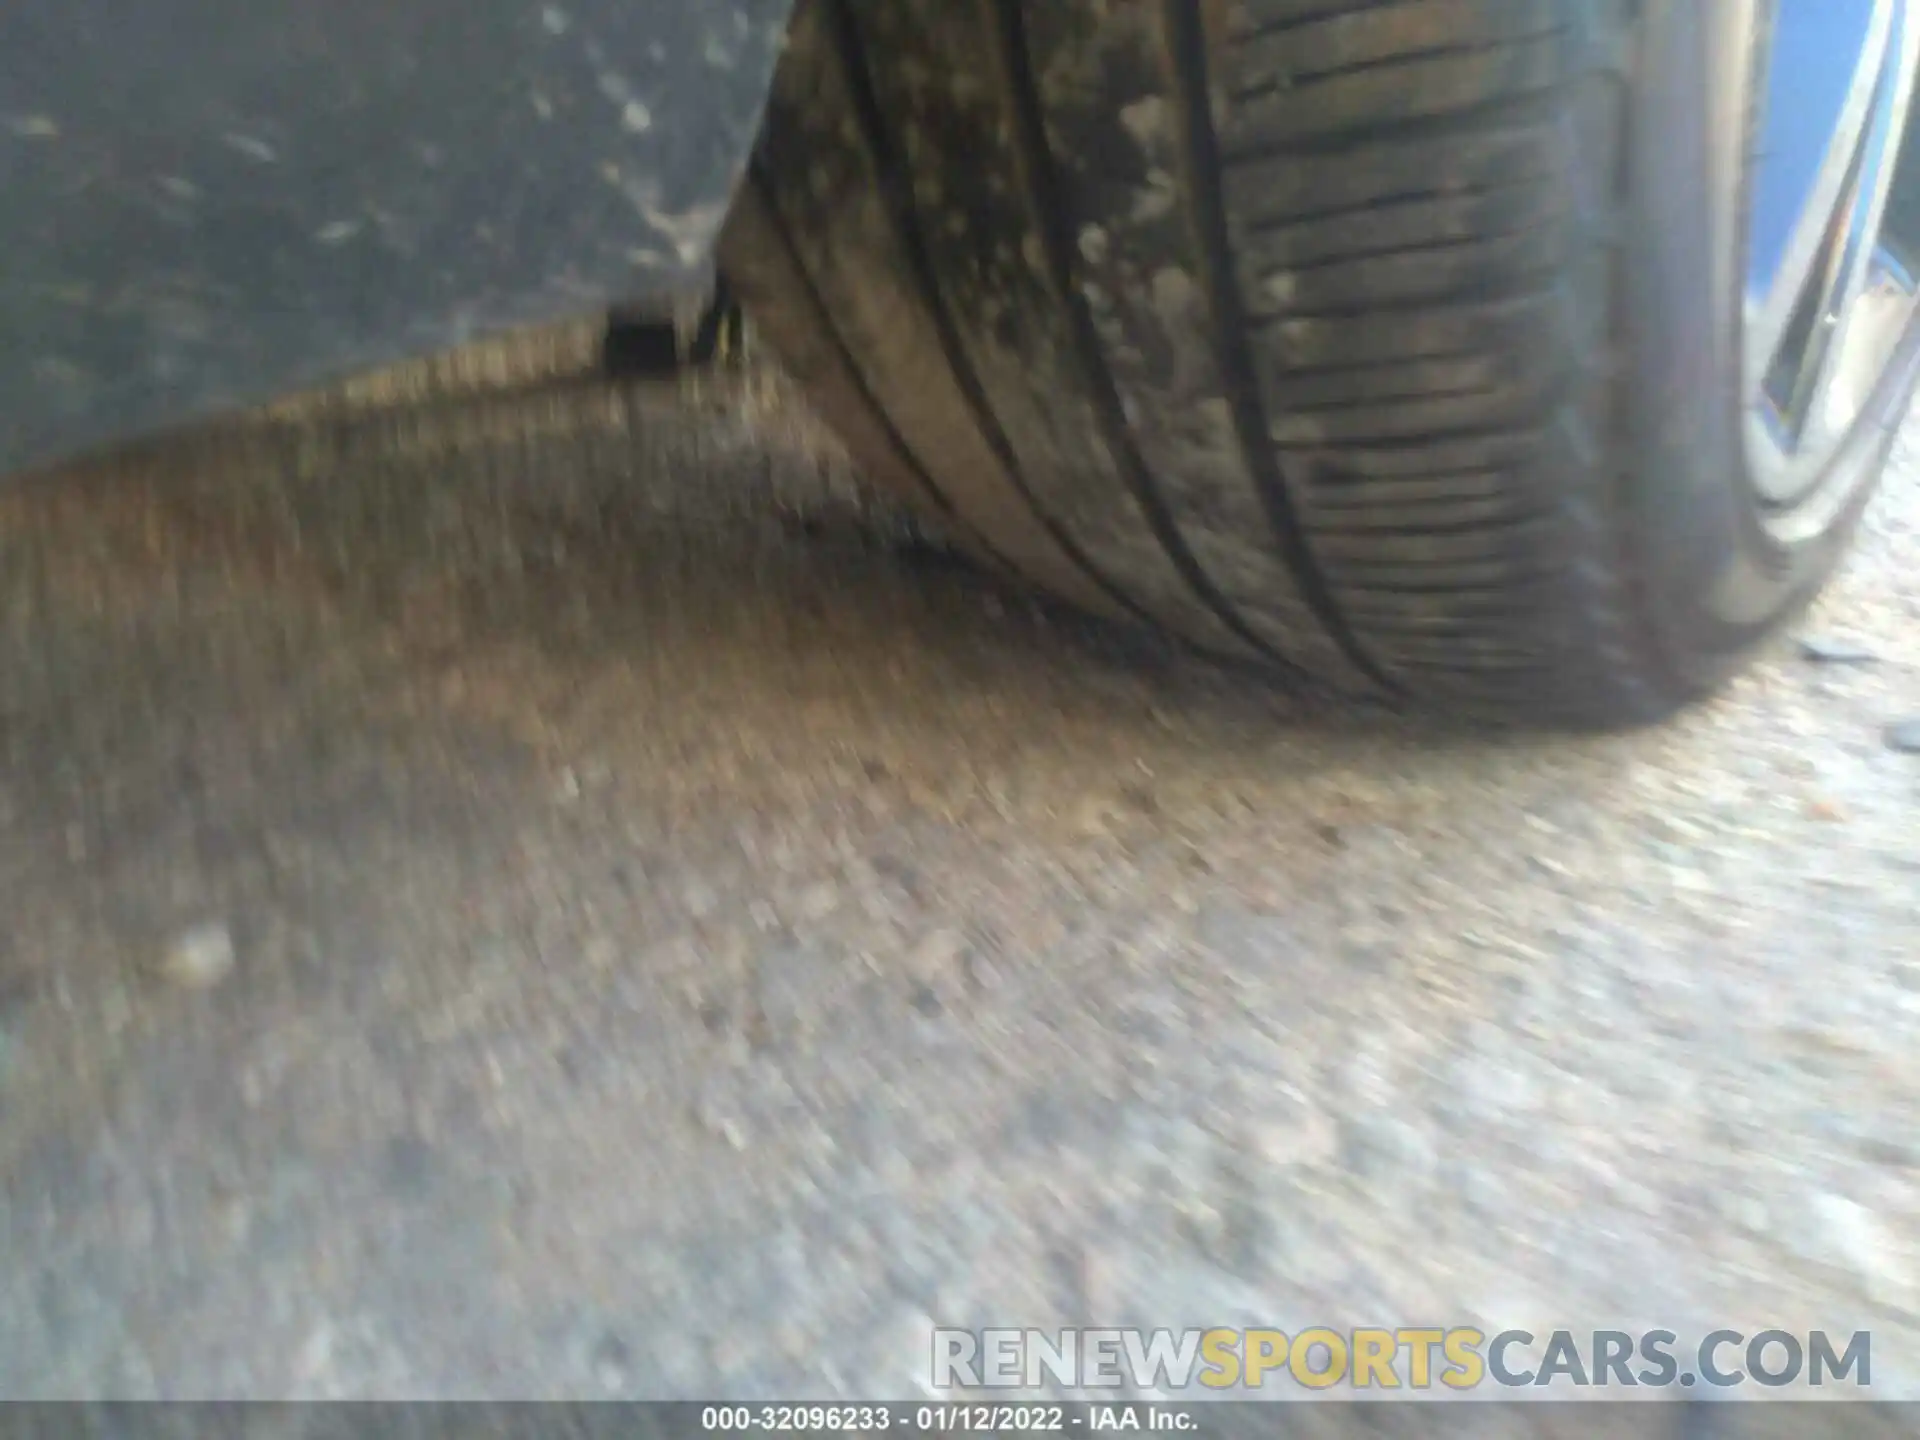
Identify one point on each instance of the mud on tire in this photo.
(1306, 330)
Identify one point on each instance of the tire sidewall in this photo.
(1715, 579)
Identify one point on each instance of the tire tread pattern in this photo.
(1331, 290)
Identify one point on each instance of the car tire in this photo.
(1395, 344)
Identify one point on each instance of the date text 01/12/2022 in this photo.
(951, 1418)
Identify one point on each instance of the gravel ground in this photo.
(550, 897)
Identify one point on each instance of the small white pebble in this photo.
(251, 146)
(1860, 1240)
(200, 958)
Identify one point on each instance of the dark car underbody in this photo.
(204, 203)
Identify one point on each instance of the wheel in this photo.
(1528, 357)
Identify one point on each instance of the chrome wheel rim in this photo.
(1827, 301)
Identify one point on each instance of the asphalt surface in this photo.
(552, 896)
